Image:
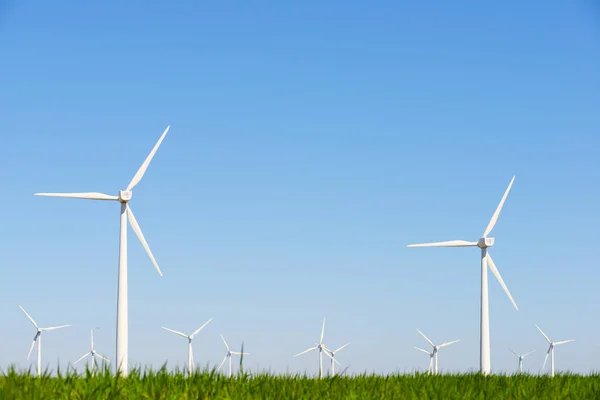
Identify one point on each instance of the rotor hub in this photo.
(125, 196)
(485, 242)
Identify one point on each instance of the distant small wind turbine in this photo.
(38, 338)
(430, 354)
(331, 354)
(434, 353)
(228, 356)
(521, 357)
(319, 346)
(551, 349)
(93, 353)
(124, 196)
(189, 338)
(486, 261)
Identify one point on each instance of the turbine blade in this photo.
(342, 347)
(424, 351)
(176, 332)
(82, 357)
(322, 331)
(28, 316)
(104, 358)
(138, 231)
(450, 243)
(546, 358)
(526, 354)
(223, 362)
(498, 209)
(35, 338)
(542, 332)
(87, 195)
(564, 341)
(92, 339)
(55, 327)
(239, 354)
(515, 353)
(140, 173)
(225, 343)
(199, 329)
(426, 338)
(306, 351)
(448, 343)
(499, 277)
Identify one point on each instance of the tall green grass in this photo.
(162, 384)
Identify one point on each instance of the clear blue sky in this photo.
(310, 143)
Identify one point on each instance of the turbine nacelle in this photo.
(124, 196)
(485, 242)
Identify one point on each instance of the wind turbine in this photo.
(521, 357)
(486, 261)
(319, 346)
(92, 353)
(331, 354)
(228, 356)
(551, 349)
(38, 338)
(434, 353)
(430, 354)
(189, 338)
(124, 197)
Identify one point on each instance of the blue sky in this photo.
(310, 143)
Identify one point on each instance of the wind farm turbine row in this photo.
(484, 243)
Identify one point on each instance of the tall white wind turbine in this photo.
(331, 354)
(92, 353)
(521, 357)
(486, 261)
(38, 338)
(551, 349)
(228, 356)
(319, 346)
(189, 338)
(124, 196)
(433, 356)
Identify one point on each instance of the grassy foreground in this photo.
(210, 385)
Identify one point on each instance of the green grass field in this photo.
(210, 385)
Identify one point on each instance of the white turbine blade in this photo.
(37, 334)
(223, 362)
(225, 343)
(526, 354)
(322, 331)
(199, 329)
(55, 327)
(332, 358)
(104, 358)
(28, 316)
(306, 351)
(448, 343)
(87, 196)
(239, 354)
(542, 332)
(450, 243)
(498, 209)
(138, 231)
(92, 339)
(564, 341)
(335, 351)
(515, 353)
(426, 338)
(424, 351)
(499, 277)
(138, 176)
(546, 358)
(82, 357)
(176, 332)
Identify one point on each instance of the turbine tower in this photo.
(38, 338)
(434, 354)
(551, 349)
(521, 357)
(92, 353)
(124, 196)
(228, 356)
(319, 346)
(331, 354)
(486, 261)
(189, 338)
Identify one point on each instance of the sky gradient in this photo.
(310, 143)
